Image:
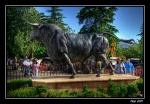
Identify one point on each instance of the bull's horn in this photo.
(35, 24)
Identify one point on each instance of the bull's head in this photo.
(35, 32)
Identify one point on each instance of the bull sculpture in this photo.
(64, 47)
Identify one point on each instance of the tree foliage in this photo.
(94, 20)
(18, 31)
(56, 17)
(141, 32)
(97, 20)
(135, 51)
(100, 19)
(22, 43)
(13, 24)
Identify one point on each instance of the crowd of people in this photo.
(28, 66)
(124, 67)
(32, 67)
(13, 63)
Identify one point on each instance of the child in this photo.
(35, 68)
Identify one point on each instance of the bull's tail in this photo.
(130, 41)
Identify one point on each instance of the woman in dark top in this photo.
(119, 67)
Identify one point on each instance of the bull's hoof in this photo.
(98, 75)
(72, 77)
(74, 73)
(102, 72)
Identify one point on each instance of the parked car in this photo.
(47, 60)
(136, 62)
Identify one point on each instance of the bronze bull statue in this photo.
(64, 47)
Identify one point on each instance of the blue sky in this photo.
(128, 20)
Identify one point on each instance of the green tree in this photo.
(119, 50)
(56, 17)
(35, 47)
(141, 42)
(141, 48)
(18, 31)
(97, 20)
(22, 44)
(14, 22)
(132, 51)
(135, 51)
(141, 32)
(43, 18)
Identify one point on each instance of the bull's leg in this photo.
(67, 61)
(105, 63)
(112, 69)
(84, 67)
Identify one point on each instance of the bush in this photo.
(101, 89)
(63, 94)
(40, 90)
(80, 94)
(44, 95)
(113, 89)
(52, 93)
(17, 83)
(140, 85)
(132, 90)
(92, 93)
(89, 93)
(85, 89)
(23, 92)
(75, 94)
(122, 90)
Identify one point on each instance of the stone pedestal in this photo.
(62, 82)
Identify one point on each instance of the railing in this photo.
(20, 72)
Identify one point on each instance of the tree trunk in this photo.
(31, 55)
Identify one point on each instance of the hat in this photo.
(119, 58)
